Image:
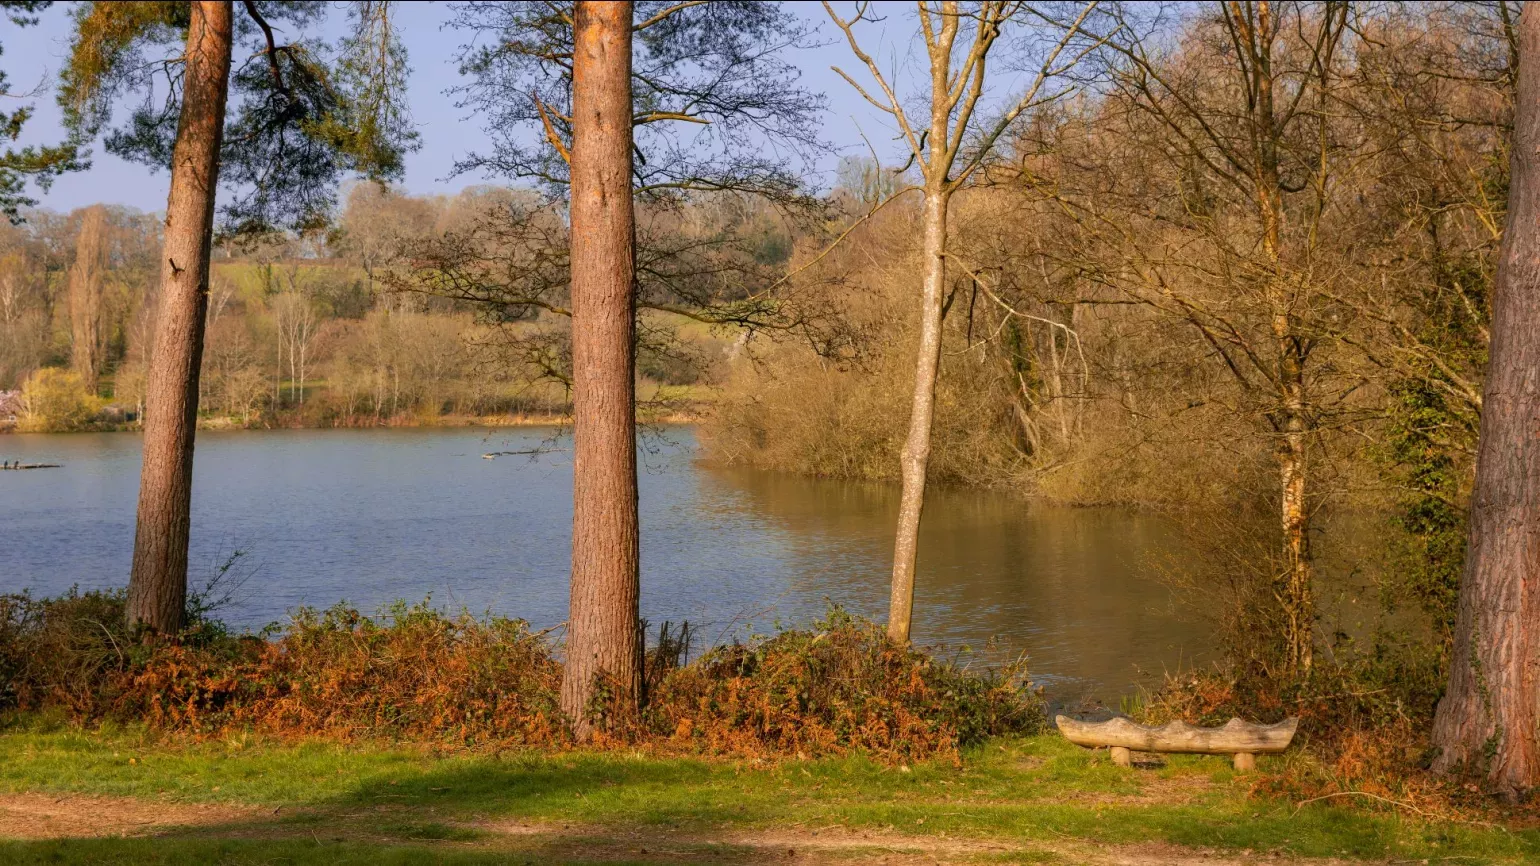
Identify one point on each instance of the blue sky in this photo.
(32, 57)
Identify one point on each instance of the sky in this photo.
(33, 55)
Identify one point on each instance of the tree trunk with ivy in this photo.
(1488, 722)
(157, 588)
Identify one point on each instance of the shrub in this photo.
(57, 400)
(1364, 723)
(840, 687)
(413, 674)
(416, 674)
(62, 653)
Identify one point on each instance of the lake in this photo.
(371, 516)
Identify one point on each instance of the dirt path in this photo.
(49, 816)
(43, 816)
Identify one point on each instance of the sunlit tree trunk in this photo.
(957, 84)
(1293, 469)
(603, 643)
(916, 456)
(1489, 719)
(1291, 420)
(157, 589)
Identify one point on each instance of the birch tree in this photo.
(948, 142)
(294, 313)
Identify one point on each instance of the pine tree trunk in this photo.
(603, 644)
(916, 456)
(157, 588)
(1488, 721)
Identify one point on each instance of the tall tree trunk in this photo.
(916, 457)
(603, 644)
(1489, 719)
(85, 298)
(157, 588)
(1292, 420)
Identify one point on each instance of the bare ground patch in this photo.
(47, 816)
(844, 845)
(52, 816)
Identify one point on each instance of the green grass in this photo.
(417, 806)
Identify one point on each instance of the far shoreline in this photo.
(220, 424)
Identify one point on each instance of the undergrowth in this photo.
(838, 687)
(417, 674)
(1363, 731)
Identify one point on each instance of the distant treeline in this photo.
(343, 326)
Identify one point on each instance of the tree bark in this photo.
(1293, 466)
(1488, 721)
(603, 644)
(916, 457)
(157, 588)
(1292, 420)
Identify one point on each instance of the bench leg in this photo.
(1122, 757)
(1245, 761)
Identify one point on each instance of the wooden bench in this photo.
(1244, 740)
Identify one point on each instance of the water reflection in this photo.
(376, 515)
(1077, 589)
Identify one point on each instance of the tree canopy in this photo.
(302, 111)
(37, 163)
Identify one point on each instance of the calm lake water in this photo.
(377, 515)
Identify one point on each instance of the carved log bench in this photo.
(1244, 740)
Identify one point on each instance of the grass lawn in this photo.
(121, 797)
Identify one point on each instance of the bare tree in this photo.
(1241, 125)
(85, 297)
(378, 225)
(949, 146)
(232, 381)
(298, 324)
(23, 324)
(1488, 721)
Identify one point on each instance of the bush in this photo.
(1364, 723)
(63, 653)
(57, 401)
(841, 687)
(416, 674)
